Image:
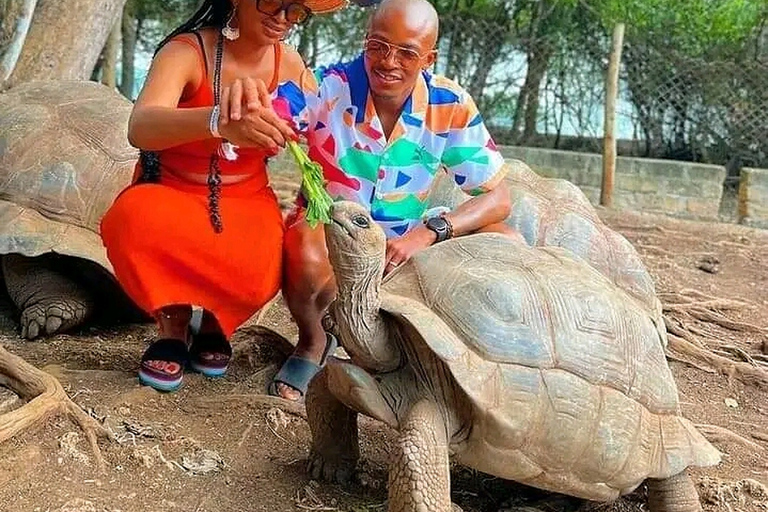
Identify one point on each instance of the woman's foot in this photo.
(210, 351)
(162, 365)
(210, 354)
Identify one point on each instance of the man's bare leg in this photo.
(501, 227)
(308, 288)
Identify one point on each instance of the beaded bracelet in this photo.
(213, 121)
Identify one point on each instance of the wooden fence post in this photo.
(609, 122)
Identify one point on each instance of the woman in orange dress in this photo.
(200, 225)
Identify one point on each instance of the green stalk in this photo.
(313, 186)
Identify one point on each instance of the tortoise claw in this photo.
(339, 472)
(51, 317)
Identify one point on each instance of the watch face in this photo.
(437, 223)
(439, 226)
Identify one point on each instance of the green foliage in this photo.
(696, 27)
(157, 18)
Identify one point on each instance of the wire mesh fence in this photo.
(538, 77)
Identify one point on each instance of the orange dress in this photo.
(164, 250)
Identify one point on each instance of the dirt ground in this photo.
(223, 445)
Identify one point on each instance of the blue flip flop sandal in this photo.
(297, 372)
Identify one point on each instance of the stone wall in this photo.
(682, 189)
(753, 197)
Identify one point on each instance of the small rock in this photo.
(277, 418)
(202, 461)
(9, 400)
(123, 411)
(69, 450)
(709, 264)
(730, 402)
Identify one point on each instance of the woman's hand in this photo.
(247, 118)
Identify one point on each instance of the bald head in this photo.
(416, 16)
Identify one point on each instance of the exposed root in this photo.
(744, 372)
(715, 434)
(690, 363)
(677, 330)
(262, 314)
(714, 317)
(45, 398)
(252, 400)
(687, 307)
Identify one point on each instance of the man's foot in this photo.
(292, 380)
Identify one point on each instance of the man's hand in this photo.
(248, 119)
(400, 250)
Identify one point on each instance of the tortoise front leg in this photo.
(674, 494)
(419, 475)
(49, 301)
(335, 448)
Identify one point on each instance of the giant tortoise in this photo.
(64, 157)
(525, 363)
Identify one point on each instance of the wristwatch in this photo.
(441, 226)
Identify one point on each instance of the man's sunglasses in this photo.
(378, 49)
(295, 13)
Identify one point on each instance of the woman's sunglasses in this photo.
(295, 13)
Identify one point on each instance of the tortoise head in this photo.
(356, 243)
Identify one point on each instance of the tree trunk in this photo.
(538, 63)
(65, 39)
(128, 67)
(108, 70)
(128, 36)
(15, 18)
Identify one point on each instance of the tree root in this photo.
(45, 398)
(684, 308)
(744, 372)
(715, 434)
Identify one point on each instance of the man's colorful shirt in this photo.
(439, 126)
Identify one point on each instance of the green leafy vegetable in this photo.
(313, 186)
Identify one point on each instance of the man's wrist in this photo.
(440, 226)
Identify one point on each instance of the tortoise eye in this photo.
(360, 221)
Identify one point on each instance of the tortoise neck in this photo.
(365, 336)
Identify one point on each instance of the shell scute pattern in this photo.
(497, 315)
(543, 312)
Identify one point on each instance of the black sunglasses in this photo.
(295, 13)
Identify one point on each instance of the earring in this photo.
(228, 30)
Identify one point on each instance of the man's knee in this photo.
(503, 228)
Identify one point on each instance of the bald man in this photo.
(382, 126)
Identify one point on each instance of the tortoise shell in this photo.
(565, 371)
(64, 157)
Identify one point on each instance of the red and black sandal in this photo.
(162, 365)
(210, 354)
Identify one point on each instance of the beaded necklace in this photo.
(214, 171)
